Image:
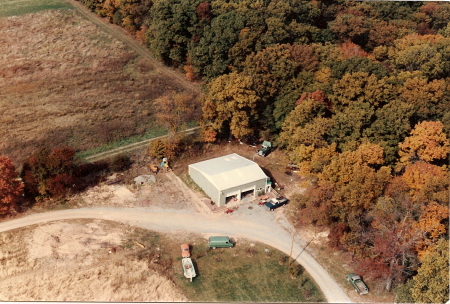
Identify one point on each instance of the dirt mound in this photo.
(81, 261)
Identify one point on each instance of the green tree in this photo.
(358, 64)
(170, 30)
(391, 126)
(403, 292)
(271, 68)
(210, 55)
(431, 281)
(349, 124)
(285, 102)
(418, 53)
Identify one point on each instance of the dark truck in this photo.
(266, 147)
(358, 283)
(274, 203)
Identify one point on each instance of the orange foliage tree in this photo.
(427, 143)
(431, 226)
(11, 188)
(427, 182)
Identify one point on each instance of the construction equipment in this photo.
(154, 169)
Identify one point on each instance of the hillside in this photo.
(72, 83)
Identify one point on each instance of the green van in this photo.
(220, 242)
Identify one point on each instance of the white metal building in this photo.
(227, 177)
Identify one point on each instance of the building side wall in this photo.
(205, 184)
(239, 189)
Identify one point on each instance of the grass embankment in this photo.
(18, 8)
(123, 142)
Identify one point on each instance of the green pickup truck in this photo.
(358, 283)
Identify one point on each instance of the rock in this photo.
(145, 179)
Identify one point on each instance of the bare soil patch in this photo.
(82, 260)
(64, 81)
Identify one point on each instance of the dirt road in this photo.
(182, 221)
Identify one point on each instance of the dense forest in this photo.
(356, 93)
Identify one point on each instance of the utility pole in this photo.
(292, 245)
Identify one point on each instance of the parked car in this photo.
(220, 242)
(275, 203)
(185, 253)
(358, 283)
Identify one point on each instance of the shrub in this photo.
(296, 270)
(120, 163)
(157, 149)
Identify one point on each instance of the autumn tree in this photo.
(427, 182)
(175, 110)
(352, 27)
(356, 183)
(425, 97)
(11, 188)
(392, 255)
(157, 148)
(432, 225)
(439, 14)
(49, 172)
(345, 189)
(427, 143)
(431, 281)
(382, 33)
(304, 56)
(418, 53)
(305, 125)
(231, 106)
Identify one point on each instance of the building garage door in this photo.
(247, 193)
(229, 198)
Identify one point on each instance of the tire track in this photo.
(121, 35)
(131, 147)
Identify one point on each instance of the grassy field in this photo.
(22, 7)
(250, 272)
(66, 82)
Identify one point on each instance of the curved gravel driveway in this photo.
(191, 221)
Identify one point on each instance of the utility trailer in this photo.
(188, 268)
